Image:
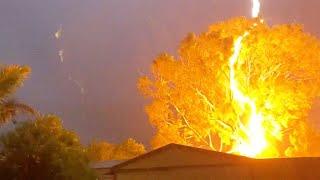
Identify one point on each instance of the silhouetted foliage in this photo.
(42, 150)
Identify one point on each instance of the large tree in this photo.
(11, 78)
(43, 149)
(278, 68)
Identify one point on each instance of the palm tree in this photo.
(11, 78)
(11, 108)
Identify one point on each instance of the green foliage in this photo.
(43, 149)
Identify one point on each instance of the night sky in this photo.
(107, 44)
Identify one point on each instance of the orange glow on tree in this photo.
(242, 87)
(255, 141)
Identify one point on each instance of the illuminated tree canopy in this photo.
(278, 67)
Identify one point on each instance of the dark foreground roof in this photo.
(182, 153)
(184, 159)
(105, 164)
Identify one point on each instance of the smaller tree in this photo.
(100, 151)
(128, 149)
(103, 151)
(43, 149)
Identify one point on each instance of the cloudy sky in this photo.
(107, 44)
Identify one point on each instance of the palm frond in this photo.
(11, 108)
(11, 78)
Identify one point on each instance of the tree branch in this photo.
(205, 98)
(210, 141)
(186, 121)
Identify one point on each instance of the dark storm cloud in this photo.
(106, 44)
